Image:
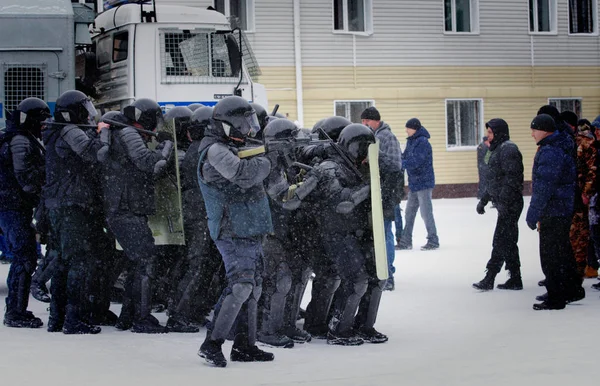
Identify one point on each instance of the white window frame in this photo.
(335, 102)
(249, 13)
(553, 19)
(474, 12)
(595, 12)
(569, 99)
(368, 12)
(481, 124)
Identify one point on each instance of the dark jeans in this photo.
(506, 236)
(398, 223)
(556, 258)
(20, 239)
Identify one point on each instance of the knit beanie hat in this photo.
(543, 122)
(413, 123)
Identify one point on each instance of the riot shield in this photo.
(381, 262)
(167, 223)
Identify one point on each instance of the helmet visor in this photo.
(251, 127)
(160, 123)
(91, 110)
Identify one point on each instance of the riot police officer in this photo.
(129, 197)
(194, 297)
(71, 196)
(21, 180)
(238, 218)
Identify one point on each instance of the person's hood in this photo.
(382, 126)
(501, 132)
(422, 132)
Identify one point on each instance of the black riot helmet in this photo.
(182, 116)
(115, 116)
(146, 113)
(333, 126)
(75, 107)
(199, 121)
(236, 118)
(195, 106)
(31, 113)
(280, 130)
(261, 114)
(355, 140)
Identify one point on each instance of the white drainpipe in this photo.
(298, 59)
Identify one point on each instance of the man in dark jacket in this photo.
(21, 180)
(505, 190)
(390, 162)
(71, 195)
(130, 169)
(482, 166)
(417, 159)
(238, 219)
(551, 211)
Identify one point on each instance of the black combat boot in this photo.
(22, 320)
(276, 340)
(148, 325)
(211, 351)
(74, 326)
(39, 291)
(346, 338)
(177, 323)
(104, 318)
(371, 335)
(514, 282)
(487, 283)
(242, 351)
(296, 334)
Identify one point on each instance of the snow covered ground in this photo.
(442, 332)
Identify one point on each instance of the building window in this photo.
(464, 122)
(542, 16)
(583, 16)
(23, 81)
(240, 10)
(351, 110)
(120, 46)
(461, 16)
(352, 16)
(566, 104)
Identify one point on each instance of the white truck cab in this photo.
(176, 55)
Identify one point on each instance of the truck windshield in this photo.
(195, 56)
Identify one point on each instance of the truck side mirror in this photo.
(235, 56)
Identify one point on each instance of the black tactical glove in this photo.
(164, 136)
(480, 207)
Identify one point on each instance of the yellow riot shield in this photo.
(381, 262)
(167, 223)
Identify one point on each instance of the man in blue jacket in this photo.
(551, 211)
(417, 159)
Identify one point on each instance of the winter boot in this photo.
(371, 335)
(548, 306)
(39, 291)
(296, 334)
(149, 325)
(244, 352)
(105, 318)
(181, 324)
(73, 325)
(346, 338)
(275, 340)
(487, 283)
(211, 351)
(22, 320)
(513, 283)
(318, 332)
(430, 247)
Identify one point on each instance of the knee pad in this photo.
(241, 291)
(284, 279)
(360, 287)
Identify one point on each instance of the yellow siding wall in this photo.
(512, 93)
